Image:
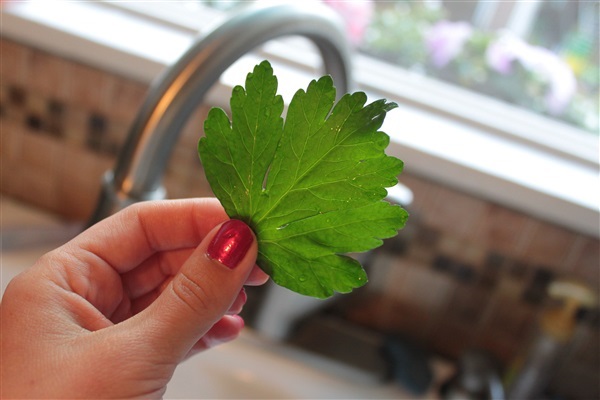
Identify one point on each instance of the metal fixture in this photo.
(181, 88)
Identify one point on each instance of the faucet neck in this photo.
(177, 92)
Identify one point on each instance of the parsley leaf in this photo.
(311, 188)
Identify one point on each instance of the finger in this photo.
(225, 330)
(201, 293)
(152, 273)
(238, 303)
(127, 238)
(155, 288)
(257, 277)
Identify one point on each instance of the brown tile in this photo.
(425, 194)
(383, 269)
(80, 181)
(48, 75)
(125, 99)
(81, 165)
(586, 348)
(450, 246)
(396, 278)
(117, 134)
(578, 380)
(512, 319)
(549, 246)
(501, 229)
(419, 286)
(184, 161)
(17, 96)
(194, 127)
(76, 127)
(15, 59)
(474, 255)
(536, 287)
(420, 254)
(187, 179)
(586, 265)
(510, 289)
(426, 236)
(10, 149)
(457, 214)
(179, 186)
(37, 186)
(36, 104)
(11, 143)
(468, 304)
(373, 312)
(14, 105)
(89, 88)
(35, 173)
(78, 199)
(451, 337)
(39, 152)
(175, 187)
(203, 190)
(503, 349)
(408, 319)
(4, 96)
(7, 177)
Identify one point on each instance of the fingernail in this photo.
(243, 295)
(231, 243)
(240, 321)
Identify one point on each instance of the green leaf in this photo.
(311, 188)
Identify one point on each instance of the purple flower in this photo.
(562, 84)
(445, 41)
(560, 77)
(502, 52)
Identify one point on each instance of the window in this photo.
(539, 55)
(542, 56)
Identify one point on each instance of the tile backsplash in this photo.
(63, 124)
(465, 272)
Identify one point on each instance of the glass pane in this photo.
(542, 56)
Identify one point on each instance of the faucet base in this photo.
(110, 201)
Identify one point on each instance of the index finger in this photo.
(132, 235)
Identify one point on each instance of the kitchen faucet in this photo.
(175, 94)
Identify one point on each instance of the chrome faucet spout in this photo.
(175, 94)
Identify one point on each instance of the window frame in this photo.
(401, 85)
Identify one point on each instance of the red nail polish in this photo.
(231, 243)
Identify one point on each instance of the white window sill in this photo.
(475, 151)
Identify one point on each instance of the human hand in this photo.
(115, 310)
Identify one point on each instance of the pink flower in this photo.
(501, 53)
(562, 84)
(559, 75)
(445, 40)
(357, 16)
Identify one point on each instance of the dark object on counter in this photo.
(476, 379)
(408, 365)
(534, 368)
(342, 341)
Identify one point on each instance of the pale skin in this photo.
(115, 310)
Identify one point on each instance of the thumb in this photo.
(202, 291)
